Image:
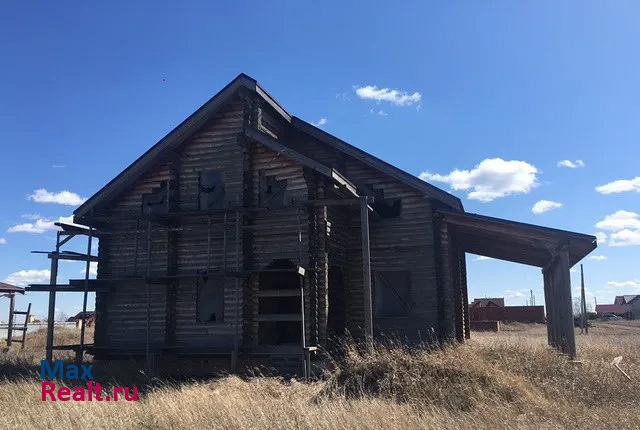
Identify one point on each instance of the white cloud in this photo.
(597, 257)
(625, 237)
(482, 258)
(624, 228)
(620, 220)
(571, 164)
(31, 216)
(39, 225)
(601, 237)
(320, 122)
(542, 206)
(624, 284)
(620, 186)
(62, 198)
(378, 112)
(396, 97)
(58, 166)
(23, 278)
(491, 179)
(3, 241)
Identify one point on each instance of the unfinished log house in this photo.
(249, 232)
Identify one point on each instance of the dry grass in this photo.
(497, 380)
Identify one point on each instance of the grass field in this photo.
(509, 380)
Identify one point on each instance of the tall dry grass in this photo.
(497, 380)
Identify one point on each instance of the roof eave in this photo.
(378, 164)
(174, 137)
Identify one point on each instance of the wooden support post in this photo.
(26, 323)
(465, 295)
(366, 268)
(12, 304)
(303, 334)
(446, 296)
(148, 357)
(548, 304)
(51, 312)
(236, 286)
(564, 284)
(303, 328)
(84, 297)
(583, 303)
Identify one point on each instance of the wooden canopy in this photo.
(555, 251)
(515, 241)
(10, 289)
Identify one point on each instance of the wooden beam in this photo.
(583, 307)
(279, 317)
(366, 268)
(563, 279)
(280, 293)
(548, 304)
(12, 304)
(87, 273)
(51, 312)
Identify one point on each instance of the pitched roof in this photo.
(197, 119)
(82, 315)
(376, 163)
(488, 301)
(8, 288)
(627, 298)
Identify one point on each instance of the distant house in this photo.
(487, 302)
(493, 309)
(89, 317)
(627, 306)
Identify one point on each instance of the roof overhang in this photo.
(274, 145)
(515, 241)
(158, 152)
(376, 163)
(10, 289)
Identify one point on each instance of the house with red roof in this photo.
(627, 306)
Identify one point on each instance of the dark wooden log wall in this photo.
(397, 244)
(122, 311)
(274, 233)
(405, 243)
(216, 147)
(339, 239)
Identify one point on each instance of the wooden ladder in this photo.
(10, 333)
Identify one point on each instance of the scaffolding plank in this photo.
(279, 317)
(293, 292)
(71, 228)
(64, 288)
(68, 255)
(72, 347)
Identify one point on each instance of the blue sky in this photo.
(530, 83)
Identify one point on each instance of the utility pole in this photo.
(532, 301)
